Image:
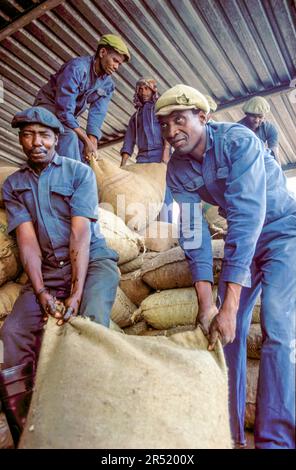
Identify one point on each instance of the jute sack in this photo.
(134, 288)
(254, 341)
(217, 223)
(8, 294)
(136, 263)
(122, 309)
(136, 329)
(171, 269)
(119, 237)
(97, 388)
(5, 171)
(10, 264)
(252, 382)
(160, 236)
(136, 193)
(256, 311)
(169, 308)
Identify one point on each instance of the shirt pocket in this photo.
(60, 200)
(194, 184)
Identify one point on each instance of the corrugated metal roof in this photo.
(229, 49)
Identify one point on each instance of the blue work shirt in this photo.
(144, 131)
(244, 180)
(267, 132)
(73, 88)
(65, 188)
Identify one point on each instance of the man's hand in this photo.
(89, 147)
(222, 327)
(72, 304)
(51, 306)
(205, 317)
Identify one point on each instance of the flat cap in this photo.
(213, 105)
(179, 98)
(37, 115)
(116, 43)
(256, 105)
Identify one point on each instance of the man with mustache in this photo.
(143, 130)
(255, 110)
(80, 83)
(226, 165)
(52, 207)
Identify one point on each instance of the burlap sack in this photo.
(217, 224)
(134, 288)
(256, 311)
(160, 236)
(22, 279)
(122, 309)
(170, 269)
(96, 388)
(136, 329)
(10, 264)
(119, 237)
(254, 341)
(252, 381)
(136, 263)
(6, 441)
(169, 308)
(136, 192)
(168, 332)
(8, 294)
(5, 171)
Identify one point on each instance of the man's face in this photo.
(183, 130)
(110, 61)
(145, 93)
(38, 143)
(254, 120)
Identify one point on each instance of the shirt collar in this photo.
(57, 160)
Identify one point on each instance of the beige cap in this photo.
(179, 98)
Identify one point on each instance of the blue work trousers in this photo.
(22, 330)
(274, 272)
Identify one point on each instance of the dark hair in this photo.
(103, 46)
(196, 110)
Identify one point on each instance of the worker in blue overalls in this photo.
(80, 83)
(143, 130)
(226, 164)
(255, 111)
(52, 207)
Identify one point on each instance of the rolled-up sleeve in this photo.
(67, 91)
(129, 138)
(16, 211)
(97, 112)
(84, 200)
(245, 197)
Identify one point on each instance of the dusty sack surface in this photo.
(5, 171)
(136, 192)
(97, 388)
(10, 264)
(8, 294)
(160, 236)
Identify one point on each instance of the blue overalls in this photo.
(67, 95)
(64, 189)
(144, 131)
(245, 181)
(267, 132)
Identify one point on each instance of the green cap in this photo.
(213, 105)
(111, 40)
(180, 98)
(256, 105)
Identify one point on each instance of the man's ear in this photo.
(203, 117)
(102, 52)
(56, 139)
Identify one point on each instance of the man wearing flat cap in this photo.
(255, 110)
(226, 165)
(69, 266)
(80, 83)
(143, 130)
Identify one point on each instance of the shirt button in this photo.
(62, 263)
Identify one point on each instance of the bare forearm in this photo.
(32, 261)
(166, 152)
(204, 294)
(79, 257)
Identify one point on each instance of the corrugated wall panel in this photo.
(226, 48)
